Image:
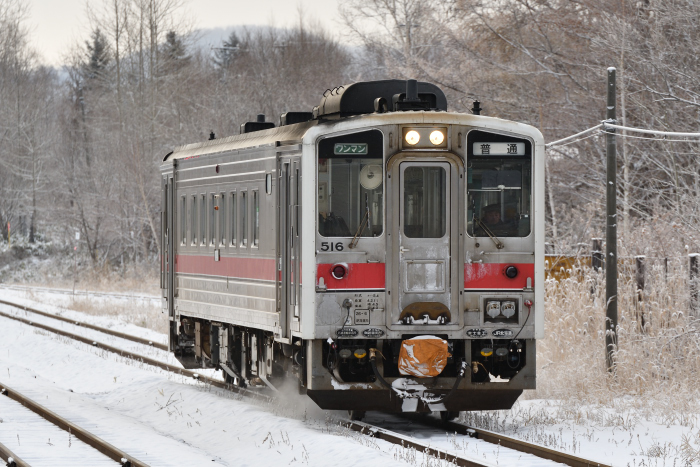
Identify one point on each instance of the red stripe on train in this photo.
(492, 276)
(359, 276)
(242, 268)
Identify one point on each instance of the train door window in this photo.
(203, 219)
(232, 218)
(221, 213)
(212, 219)
(244, 219)
(499, 185)
(424, 201)
(351, 185)
(193, 220)
(183, 219)
(256, 218)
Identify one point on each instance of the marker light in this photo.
(436, 137)
(338, 271)
(508, 309)
(412, 137)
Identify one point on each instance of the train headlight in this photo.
(493, 309)
(437, 137)
(412, 137)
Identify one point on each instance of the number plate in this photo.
(361, 316)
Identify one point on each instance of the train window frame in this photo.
(221, 217)
(375, 140)
(183, 220)
(244, 218)
(233, 221)
(203, 219)
(255, 219)
(490, 135)
(193, 220)
(211, 219)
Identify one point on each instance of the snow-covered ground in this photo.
(164, 419)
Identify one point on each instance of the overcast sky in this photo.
(56, 25)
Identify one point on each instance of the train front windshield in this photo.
(499, 186)
(351, 185)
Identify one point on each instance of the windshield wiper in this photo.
(476, 221)
(365, 221)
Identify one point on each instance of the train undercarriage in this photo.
(362, 374)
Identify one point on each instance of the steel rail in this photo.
(398, 439)
(10, 458)
(509, 442)
(83, 435)
(86, 325)
(138, 357)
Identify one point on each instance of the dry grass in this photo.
(655, 363)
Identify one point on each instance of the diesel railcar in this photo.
(382, 252)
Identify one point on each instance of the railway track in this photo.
(85, 293)
(95, 442)
(363, 428)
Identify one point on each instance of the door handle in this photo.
(403, 250)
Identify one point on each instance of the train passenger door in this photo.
(288, 256)
(425, 284)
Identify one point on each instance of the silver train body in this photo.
(313, 250)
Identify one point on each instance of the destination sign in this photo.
(499, 149)
(350, 148)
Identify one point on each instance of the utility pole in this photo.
(611, 229)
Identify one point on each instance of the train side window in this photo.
(203, 219)
(244, 219)
(222, 219)
(233, 218)
(256, 219)
(212, 219)
(183, 219)
(193, 220)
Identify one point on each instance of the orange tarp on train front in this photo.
(423, 356)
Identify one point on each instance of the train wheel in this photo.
(357, 415)
(448, 416)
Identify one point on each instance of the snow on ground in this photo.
(155, 415)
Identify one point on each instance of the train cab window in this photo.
(244, 219)
(203, 219)
(351, 185)
(425, 202)
(499, 185)
(233, 218)
(183, 219)
(193, 220)
(221, 214)
(256, 218)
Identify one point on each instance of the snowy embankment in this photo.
(170, 420)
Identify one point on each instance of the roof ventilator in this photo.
(260, 124)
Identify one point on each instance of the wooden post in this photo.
(597, 254)
(611, 226)
(640, 275)
(694, 268)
